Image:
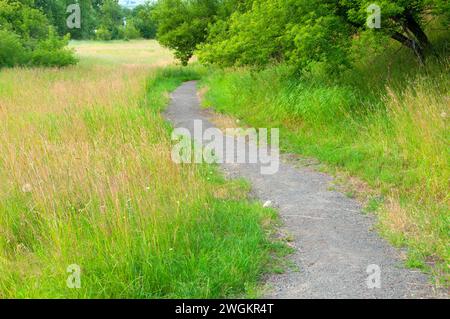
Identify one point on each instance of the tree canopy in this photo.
(27, 37)
(300, 32)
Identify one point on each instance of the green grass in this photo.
(87, 179)
(167, 79)
(385, 121)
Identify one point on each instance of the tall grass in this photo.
(385, 121)
(87, 179)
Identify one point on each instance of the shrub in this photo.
(53, 51)
(129, 32)
(60, 57)
(103, 34)
(12, 51)
(27, 38)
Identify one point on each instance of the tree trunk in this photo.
(419, 34)
(415, 37)
(412, 44)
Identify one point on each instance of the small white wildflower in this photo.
(443, 115)
(27, 188)
(267, 204)
(21, 248)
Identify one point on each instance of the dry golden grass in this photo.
(130, 53)
(49, 117)
(87, 178)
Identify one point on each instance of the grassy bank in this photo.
(87, 179)
(385, 121)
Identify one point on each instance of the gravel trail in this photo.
(334, 241)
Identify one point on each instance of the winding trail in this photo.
(334, 240)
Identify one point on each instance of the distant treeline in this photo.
(100, 19)
(36, 32)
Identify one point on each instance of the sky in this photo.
(131, 3)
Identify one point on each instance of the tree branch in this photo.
(410, 43)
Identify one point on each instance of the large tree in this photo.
(143, 20)
(298, 31)
(183, 24)
(111, 17)
(402, 20)
(56, 12)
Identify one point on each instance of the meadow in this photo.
(87, 180)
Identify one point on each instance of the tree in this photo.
(299, 32)
(56, 12)
(143, 20)
(247, 37)
(183, 24)
(303, 32)
(129, 30)
(401, 20)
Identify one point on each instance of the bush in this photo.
(12, 51)
(53, 51)
(60, 57)
(129, 32)
(27, 38)
(103, 34)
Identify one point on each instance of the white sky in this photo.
(131, 3)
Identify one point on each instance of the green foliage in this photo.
(89, 20)
(12, 51)
(29, 23)
(100, 19)
(111, 19)
(142, 17)
(300, 32)
(129, 31)
(27, 38)
(56, 12)
(53, 51)
(183, 24)
(316, 35)
(103, 34)
(303, 33)
(441, 7)
(246, 38)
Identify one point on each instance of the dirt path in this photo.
(334, 240)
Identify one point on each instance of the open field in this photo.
(87, 179)
(124, 53)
